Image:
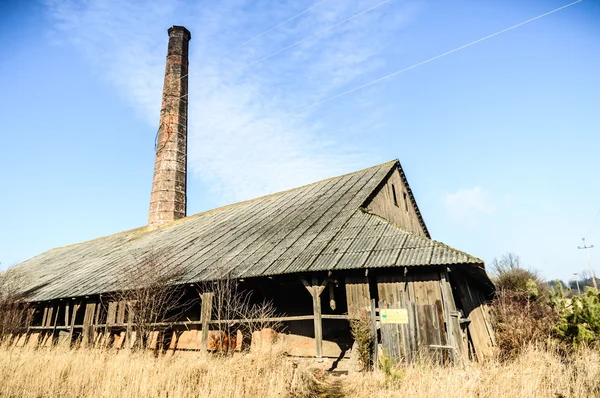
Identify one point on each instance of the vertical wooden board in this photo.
(426, 286)
(49, 315)
(357, 295)
(458, 337)
(435, 329)
(44, 316)
(422, 342)
(88, 321)
(72, 321)
(318, 324)
(390, 288)
(121, 306)
(441, 321)
(67, 314)
(392, 337)
(111, 315)
(480, 328)
(205, 316)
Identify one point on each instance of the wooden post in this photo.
(315, 291)
(205, 315)
(316, 296)
(373, 333)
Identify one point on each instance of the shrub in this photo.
(523, 310)
(510, 275)
(579, 321)
(521, 321)
(363, 339)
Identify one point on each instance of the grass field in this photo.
(92, 373)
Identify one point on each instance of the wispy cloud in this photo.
(467, 206)
(243, 129)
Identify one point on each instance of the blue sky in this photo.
(499, 140)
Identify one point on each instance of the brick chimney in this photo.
(168, 198)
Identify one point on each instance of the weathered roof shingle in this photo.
(321, 226)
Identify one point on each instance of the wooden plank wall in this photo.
(401, 212)
(420, 291)
(358, 296)
(476, 309)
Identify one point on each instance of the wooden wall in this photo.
(403, 213)
(436, 317)
(475, 308)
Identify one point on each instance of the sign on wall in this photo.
(395, 315)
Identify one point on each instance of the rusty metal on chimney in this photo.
(168, 198)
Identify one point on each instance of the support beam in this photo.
(316, 293)
(205, 315)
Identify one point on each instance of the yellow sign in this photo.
(394, 315)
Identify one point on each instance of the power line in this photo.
(267, 31)
(305, 39)
(274, 27)
(317, 34)
(433, 59)
(247, 42)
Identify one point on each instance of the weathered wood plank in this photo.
(205, 316)
(111, 314)
(358, 296)
(88, 321)
(73, 316)
(318, 324)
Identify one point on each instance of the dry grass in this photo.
(534, 373)
(91, 373)
(94, 373)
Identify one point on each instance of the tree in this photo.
(152, 296)
(234, 309)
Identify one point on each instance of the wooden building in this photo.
(322, 253)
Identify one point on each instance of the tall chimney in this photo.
(168, 198)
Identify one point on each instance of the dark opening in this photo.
(405, 201)
(394, 194)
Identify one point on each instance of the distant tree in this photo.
(586, 279)
(555, 283)
(509, 274)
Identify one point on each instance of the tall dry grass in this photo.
(94, 373)
(535, 372)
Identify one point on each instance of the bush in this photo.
(510, 275)
(521, 321)
(363, 338)
(523, 310)
(579, 322)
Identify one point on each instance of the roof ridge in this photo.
(391, 162)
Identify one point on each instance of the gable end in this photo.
(394, 201)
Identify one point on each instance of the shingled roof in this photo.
(321, 226)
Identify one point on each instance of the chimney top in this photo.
(176, 28)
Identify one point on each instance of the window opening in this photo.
(394, 194)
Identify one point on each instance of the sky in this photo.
(499, 140)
